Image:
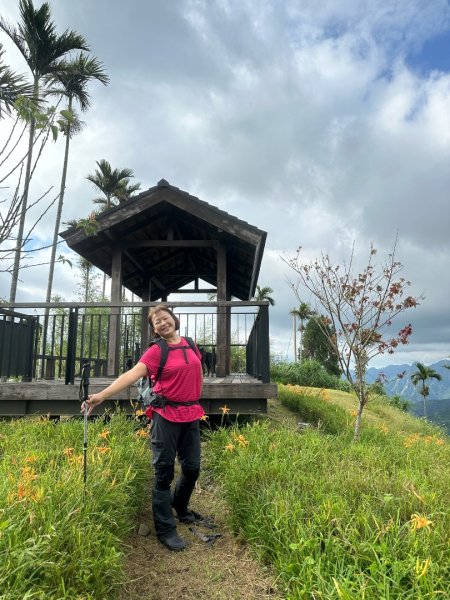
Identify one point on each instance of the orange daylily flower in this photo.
(229, 447)
(29, 474)
(383, 428)
(204, 418)
(411, 439)
(240, 439)
(31, 459)
(420, 522)
(104, 434)
(225, 410)
(142, 433)
(22, 491)
(103, 449)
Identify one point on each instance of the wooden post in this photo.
(221, 353)
(145, 327)
(228, 327)
(264, 349)
(114, 326)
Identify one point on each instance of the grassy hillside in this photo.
(339, 519)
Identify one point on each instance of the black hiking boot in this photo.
(190, 517)
(165, 525)
(172, 541)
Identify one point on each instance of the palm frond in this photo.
(12, 85)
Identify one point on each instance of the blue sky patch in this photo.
(433, 56)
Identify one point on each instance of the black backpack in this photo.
(144, 384)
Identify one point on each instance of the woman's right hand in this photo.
(89, 404)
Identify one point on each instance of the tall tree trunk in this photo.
(360, 375)
(357, 430)
(294, 331)
(55, 233)
(24, 202)
(86, 289)
(300, 348)
(424, 401)
(59, 210)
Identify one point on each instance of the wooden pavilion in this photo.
(166, 241)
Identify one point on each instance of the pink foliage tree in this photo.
(359, 308)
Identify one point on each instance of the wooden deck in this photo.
(240, 392)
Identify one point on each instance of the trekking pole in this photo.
(84, 393)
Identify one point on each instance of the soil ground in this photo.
(222, 570)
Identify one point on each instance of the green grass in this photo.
(336, 518)
(54, 541)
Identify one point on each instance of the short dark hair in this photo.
(161, 308)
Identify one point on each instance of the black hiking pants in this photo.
(171, 440)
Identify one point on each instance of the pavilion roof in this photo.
(169, 236)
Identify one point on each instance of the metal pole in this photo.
(84, 393)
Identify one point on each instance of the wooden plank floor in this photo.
(239, 392)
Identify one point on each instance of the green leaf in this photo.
(64, 260)
(68, 115)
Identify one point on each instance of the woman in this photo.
(175, 427)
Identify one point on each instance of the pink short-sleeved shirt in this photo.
(180, 381)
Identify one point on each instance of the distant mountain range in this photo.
(397, 381)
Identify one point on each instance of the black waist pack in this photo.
(158, 401)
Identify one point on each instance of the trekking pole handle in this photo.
(85, 381)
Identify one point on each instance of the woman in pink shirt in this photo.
(175, 421)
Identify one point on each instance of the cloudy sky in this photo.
(322, 126)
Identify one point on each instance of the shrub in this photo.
(399, 402)
(307, 373)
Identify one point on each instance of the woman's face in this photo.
(163, 323)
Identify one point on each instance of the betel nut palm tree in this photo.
(421, 376)
(113, 183)
(44, 51)
(115, 186)
(263, 293)
(303, 312)
(71, 83)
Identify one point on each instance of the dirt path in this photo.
(223, 570)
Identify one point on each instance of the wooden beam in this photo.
(42, 305)
(171, 244)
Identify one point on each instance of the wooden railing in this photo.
(56, 338)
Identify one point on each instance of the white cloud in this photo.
(306, 122)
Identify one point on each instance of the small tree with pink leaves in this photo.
(359, 308)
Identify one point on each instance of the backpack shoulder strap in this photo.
(164, 353)
(192, 344)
